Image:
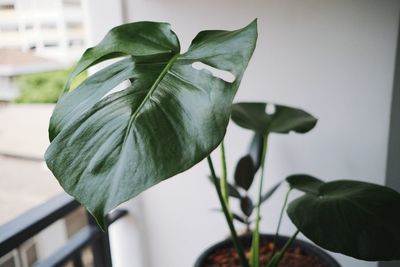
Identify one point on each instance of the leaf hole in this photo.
(270, 109)
(222, 74)
(119, 87)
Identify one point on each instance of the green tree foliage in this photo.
(44, 87)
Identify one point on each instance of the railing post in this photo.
(100, 247)
(78, 261)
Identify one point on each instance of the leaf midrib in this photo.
(149, 93)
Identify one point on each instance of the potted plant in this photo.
(264, 119)
(333, 214)
(108, 146)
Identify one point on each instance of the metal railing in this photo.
(29, 224)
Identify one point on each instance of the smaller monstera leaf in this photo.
(305, 183)
(108, 146)
(244, 172)
(280, 119)
(355, 218)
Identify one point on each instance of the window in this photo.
(10, 260)
(51, 44)
(28, 253)
(72, 3)
(48, 25)
(76, 43)
(75, 221)
(7, 7)
(25, 256)
(9, 28)
(28, 26)
(45, 4)
(74, 25)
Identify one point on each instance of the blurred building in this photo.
(38, 36)
(53, 29)
(14, 63)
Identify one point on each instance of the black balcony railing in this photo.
(31, 223)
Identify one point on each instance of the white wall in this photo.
(333, 58)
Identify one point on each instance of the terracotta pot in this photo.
(305, 247)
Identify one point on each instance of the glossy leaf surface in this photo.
(355, 218)
(305, 183)
(107, 147)
(281, 119)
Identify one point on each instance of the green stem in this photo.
(255, 257)
(274, 262)
(238, 246)
(280, 217)
(224, 179)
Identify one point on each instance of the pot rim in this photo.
(307, 247)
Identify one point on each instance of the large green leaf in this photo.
(107, 146)
(141, 43)
(355, 218)
(281, 119)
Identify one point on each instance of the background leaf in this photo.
(234, 216)
(255, 150)
(305, 183)
(244, 172)
(246, 206)
(108, 147)
(232, 191)
(284, 119)
(238, 218)
(355, 218)
(269, 193)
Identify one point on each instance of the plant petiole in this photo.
(238, 246)
(255, 257)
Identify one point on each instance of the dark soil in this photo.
(228, 257)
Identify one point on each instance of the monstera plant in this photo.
(354, 218)
(108, 145)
